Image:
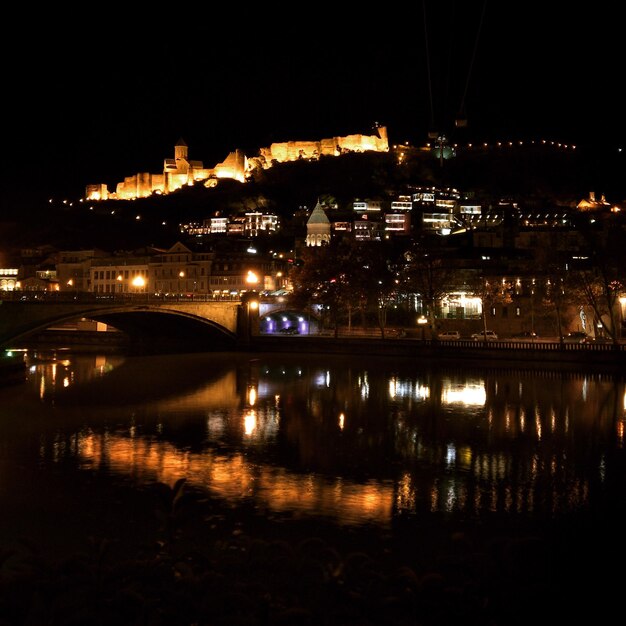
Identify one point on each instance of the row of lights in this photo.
(500, 144)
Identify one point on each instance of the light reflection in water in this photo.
(537, 423)
(467, 394)
(403, 388)
(234, 478)
(249, 422)
(251, 396)
(451, 455)
(277, 434)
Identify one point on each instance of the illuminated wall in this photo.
(177, 173)
(335, 146)
(96, 192)
(234, 167)
(593, 204)
(181, 171)
(9, 279)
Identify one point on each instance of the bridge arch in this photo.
(173, 326)
(166, 327)
(282, 319)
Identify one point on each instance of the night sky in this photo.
(108, 99)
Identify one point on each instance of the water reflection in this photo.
(353, 440)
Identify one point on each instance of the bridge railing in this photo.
(85, 296)
(501, 345)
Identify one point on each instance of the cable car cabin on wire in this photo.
(440, 148)
(449, 69)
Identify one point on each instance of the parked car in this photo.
(576, 336)
(449, 335)
(485, 334)
(598, 340)
(525, 334)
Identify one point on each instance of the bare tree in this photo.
(431, 275)
(492, 291)
(599, 278)
(318, 279)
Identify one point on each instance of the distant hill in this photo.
(535, 175)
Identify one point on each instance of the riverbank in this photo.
(12, 369)
(164, 556)
(535, 355)
(498, 354)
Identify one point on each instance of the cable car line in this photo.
(436, 128)
(462, 117)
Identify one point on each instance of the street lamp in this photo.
(139, 283)
(252, 307)
(421, 322)
(532, 315)
(251, 279)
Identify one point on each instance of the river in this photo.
(406, 456)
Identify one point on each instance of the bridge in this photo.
(207, 323)
(161, 323)
(151, 323)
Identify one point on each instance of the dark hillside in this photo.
(535, 175)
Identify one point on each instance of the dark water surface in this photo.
(528, 467)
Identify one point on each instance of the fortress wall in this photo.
(127, 189)
(362, 143)
(96, 192)
(328, 147)
(264, 159)
(158, 183)
(350, 142)
(279, 151)
(303, 149)
(201, 173)
(144, 185)
(293, 150)
(176, 181)
(236, 165)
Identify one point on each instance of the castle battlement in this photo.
(180, 170)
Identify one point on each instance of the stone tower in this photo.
(181, 150)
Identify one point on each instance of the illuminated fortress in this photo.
(181, 170)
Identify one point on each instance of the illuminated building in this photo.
(317, 227)
(73, 268)
(592, 204)
(9, 279)
(128, 275)
(181, 171)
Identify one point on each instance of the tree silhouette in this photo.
(429, 274)
(599, 279)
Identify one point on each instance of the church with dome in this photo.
(317, 227)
